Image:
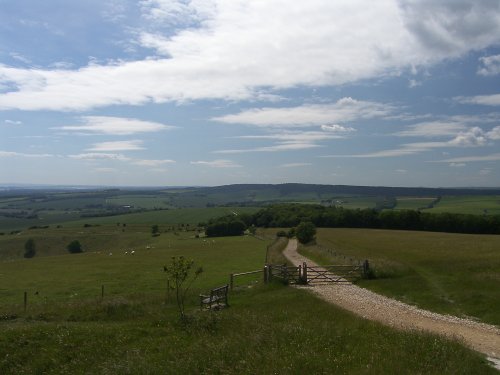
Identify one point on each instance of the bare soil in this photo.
(482, 337)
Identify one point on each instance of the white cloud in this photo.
(286, 141)
(490, 65)
(106, 170)
(115, 126)
(295, 165)
(13, 122)
(285, 146)
(494, 133)
(19, 57)
(223, 50)
(117, 146)
(175, 12)
(433, 129)
(470, 159)
(219, 163)
(412, 83)
(294, 136)
(451, 28)
(402, 171)
(153, 163)
(345, 109)
(99, 156)
(379, 154)
(457, 165)
(491, 100)
(472, 137)
(334, 128)
(11, 154)
(485, 172)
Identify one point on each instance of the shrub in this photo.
(29, 248)
(74, 247)
(305, 232)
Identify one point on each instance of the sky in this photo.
(215, 92)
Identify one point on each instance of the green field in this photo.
(413, 203)
(68, 276)
(165, 216)
(476, 205)
(68, 328)
(457, 274)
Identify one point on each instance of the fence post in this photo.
(102, 291)
(266, 276)
(269, 273)
(366, 268)
(167, 297)
(304, 273)
(231, 280)
(25, 301)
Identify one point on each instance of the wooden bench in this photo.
(217, 298)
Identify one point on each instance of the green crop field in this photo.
(140, 201)
(457, 274)
(476, 205)
(357, 202)
(413, 203)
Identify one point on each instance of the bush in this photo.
(29, 248)
(305, 232)
(74, 247)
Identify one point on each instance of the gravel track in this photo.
(482, 337)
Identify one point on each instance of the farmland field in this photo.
(413, 203)
(476, 205)
(165, 216)
(456, 274)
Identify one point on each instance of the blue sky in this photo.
(212, 92)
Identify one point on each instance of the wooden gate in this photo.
(336, 273)
(284, 273)
(332, 273)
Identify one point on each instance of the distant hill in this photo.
(295, 188)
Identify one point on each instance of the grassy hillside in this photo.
(456, 274)
(265, 331)
(69, 276)
(67, 328)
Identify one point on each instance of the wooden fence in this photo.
(235, 275)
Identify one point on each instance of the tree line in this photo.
(291, 215)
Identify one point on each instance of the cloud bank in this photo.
(222, 50)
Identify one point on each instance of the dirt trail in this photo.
(481, 337)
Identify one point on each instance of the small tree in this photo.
(29, 248)
(74, 247)
(305, 232)
(155, 230)
(180, 279)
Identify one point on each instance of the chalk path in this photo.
(482, 337)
